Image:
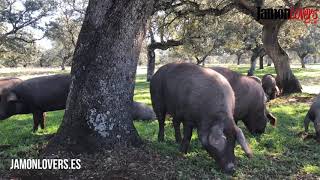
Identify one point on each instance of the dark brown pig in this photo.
(314, 116)
(199, 98)
(36, 95)
(142, 112)
(269, 86)
(250, 101)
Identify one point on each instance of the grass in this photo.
(280, 153)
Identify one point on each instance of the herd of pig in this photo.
(211, 100)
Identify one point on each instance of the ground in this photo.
(280, 153)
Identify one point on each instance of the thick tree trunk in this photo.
(98, 113)
(280, 58)
(261, 62)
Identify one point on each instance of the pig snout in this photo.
(230, 168)
(2, 115)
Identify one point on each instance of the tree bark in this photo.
(63, 63)
(98, 112)
(280, 58)
(151, 63)
(151, 56)
(302, 56)
(269, 62)
(303, 64)
(261, 62)
(256, 52)
(238, 58)
(253, 62)
(163, 45)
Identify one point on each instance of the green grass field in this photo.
(280, 153)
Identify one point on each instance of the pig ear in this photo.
(272, 119)
(243, 142)
(216, 138)
(12, 97)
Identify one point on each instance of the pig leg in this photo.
(306, 123)
(161, 120)
(177, 133)
(43, 120)
(38, 118)
(187, 133)
(317, 128)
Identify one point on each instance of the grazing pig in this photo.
(250, 101)
(314, 116)
(269, 86)
(36, 95)
(142, 112)
(199, 98)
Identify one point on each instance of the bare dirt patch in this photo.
(293, 99)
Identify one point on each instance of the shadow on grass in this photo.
(17, 132)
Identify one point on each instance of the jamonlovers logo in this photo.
(307, 15)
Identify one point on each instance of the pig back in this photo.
(249, 93)
(47, 93)
(195, 92)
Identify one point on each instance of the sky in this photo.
(44, 43)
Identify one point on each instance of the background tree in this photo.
(19, 20)
(185, 22)
(65, 29)
(18, 15)
(307, 44)
(18, 53)
(270, 39)
(271, 29)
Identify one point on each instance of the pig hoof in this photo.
(183, 149)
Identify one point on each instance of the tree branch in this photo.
(196, 11)
(165, 44)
